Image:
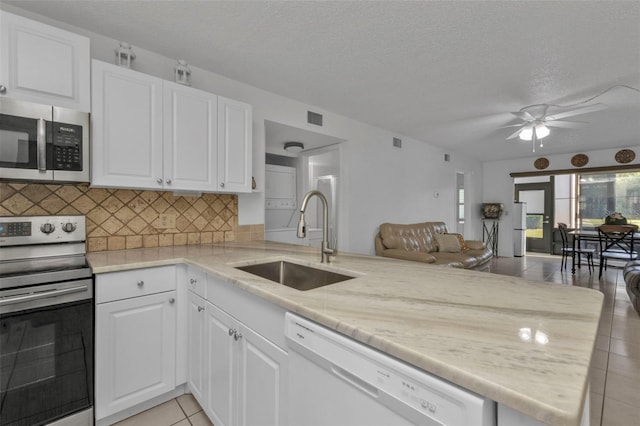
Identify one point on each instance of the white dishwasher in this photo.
(335, 381)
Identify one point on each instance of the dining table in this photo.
(585, 235)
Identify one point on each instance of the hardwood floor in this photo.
(615, 373)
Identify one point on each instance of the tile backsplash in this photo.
(123, 218)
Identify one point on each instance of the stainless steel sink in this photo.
(296, 276)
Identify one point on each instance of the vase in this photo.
(492, 210)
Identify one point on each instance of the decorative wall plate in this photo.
(541, 163)
(579, 160)
(625, 156)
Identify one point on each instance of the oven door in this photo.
(46, 353)
(25, 133)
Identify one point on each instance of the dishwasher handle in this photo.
(355, 381)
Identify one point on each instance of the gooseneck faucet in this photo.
(326, 251)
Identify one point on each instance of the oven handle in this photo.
(41, 140)
(43, 295)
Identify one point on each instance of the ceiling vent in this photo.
(314, 118)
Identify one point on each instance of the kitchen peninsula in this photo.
(524, 344)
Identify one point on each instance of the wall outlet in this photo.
(166, 221)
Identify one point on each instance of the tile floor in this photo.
(615, 374)
(181, 411)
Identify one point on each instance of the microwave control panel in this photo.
(67, 147)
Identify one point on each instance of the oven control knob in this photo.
(69, 227)
(47, 228)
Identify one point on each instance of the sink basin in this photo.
(296, 276)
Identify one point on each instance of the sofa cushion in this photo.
(416, 256)
(414, 237)
(448, 243)
(454, 259)
(474, 245)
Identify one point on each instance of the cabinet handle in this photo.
(221, 184)
(140, 283)
(168, 181)
(237, 336)
(172, 300)
(232, 331)
(159, 180)
(193, 281)
(3, 89)
(200, 308)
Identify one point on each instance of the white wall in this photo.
(381, 183)
(499, 187)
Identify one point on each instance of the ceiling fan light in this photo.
(526, 134)
(542, 131)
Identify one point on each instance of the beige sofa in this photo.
(430, 242)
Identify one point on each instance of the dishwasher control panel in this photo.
(387, 379)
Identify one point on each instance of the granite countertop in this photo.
(468, 327)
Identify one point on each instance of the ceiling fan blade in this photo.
(515, 135)
(524, 115)
(566, 124)
(511, 125)
(577, 111)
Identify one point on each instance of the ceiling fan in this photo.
(535, 121)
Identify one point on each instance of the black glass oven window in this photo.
(46, 363)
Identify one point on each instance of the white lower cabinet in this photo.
(196, 346)
(135, 356)
(236, 367)
(246, 374)
(135, 351)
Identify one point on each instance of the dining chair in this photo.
(568, 250)
(616, 242)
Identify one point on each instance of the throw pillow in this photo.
(448, 243)
(463, 245)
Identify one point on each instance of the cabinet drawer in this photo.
(134, 283)
(197, 281)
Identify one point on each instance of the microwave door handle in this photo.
(41, 141)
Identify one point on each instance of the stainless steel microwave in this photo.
(43, 142)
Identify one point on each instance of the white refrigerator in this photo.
(519, 217)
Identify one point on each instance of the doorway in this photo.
(539, 199)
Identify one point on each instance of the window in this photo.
(604, 193)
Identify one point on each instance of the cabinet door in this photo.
(190, 138)
(127, 128)
(234, 145)
(221, 367)
(135, 351)
(196, 345)
(44, 64)
(263, 395)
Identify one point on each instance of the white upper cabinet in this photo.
(190, 138)
(155, 134)
(126, 128)
(43, 64)
(234, 145)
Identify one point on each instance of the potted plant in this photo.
(615, 219)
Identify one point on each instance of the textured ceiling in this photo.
(447, 73)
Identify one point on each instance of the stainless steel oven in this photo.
(46, 322)
(41, 142)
